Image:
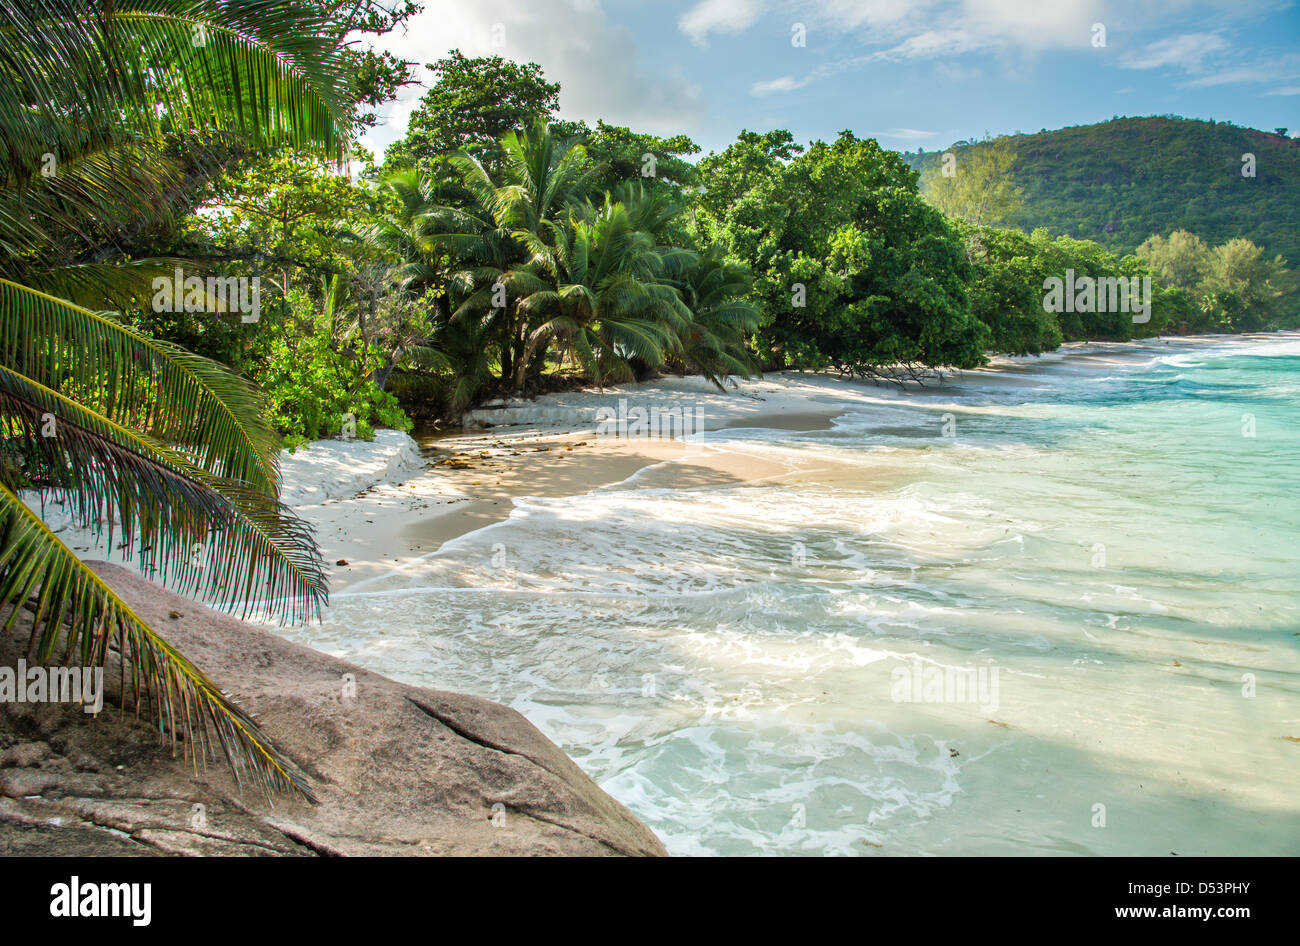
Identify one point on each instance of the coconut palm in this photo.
(610, 304)
(650, 211)
(714, 291)
(393, 297)
(109, 113)
(510, 230)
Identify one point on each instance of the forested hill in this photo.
(1120, 181)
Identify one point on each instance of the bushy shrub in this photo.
(319, 389)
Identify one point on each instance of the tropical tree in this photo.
(531, 262)
(714, 290)
(853, 269)
(472, 103)
(973, 182)
(1182, 259)
(611, 303)
(109, 113)
(509, 235)
(394, 295)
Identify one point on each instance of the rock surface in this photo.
(397, 769)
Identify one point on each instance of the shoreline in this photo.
(554, 675)
(380, 506)
(471, 481)
(770, 621)
(472, 478)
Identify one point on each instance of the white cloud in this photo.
(907, 134)
(1187, 51)
(898, 30)
(914, 27)
(873, 14)
(1273, 69)
(783, 84)
(1229, 77)
(1295, 90)
(956, 72)
(597, 63)
(1033, 24)
(718, 16)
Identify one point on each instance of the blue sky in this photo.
(912, 73)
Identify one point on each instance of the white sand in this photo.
(338, 469)
(379, 505)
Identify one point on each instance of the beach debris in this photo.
(342, 561)
(953, 753)
(175, 614)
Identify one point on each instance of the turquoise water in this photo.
(1049, 609)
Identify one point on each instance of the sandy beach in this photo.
(553, 447)
(712, 625)
(470, 480)
(378, 506)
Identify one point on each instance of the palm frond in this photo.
(76, 607)
(202, 534)
(270, 70)
(181, 398)
(99, 286)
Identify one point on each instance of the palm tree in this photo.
(651, 211)
(721, 318)
(397, 279)
(544, 175)
(485, 269)
(109, 112)
(510, 232)
(533, 260)
(610, 304)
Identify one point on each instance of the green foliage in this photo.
(1006, 291)
(471, 105)
(978, 187)
(1120, 181)
(1233, 287)
(498, 248)
(108, 116)
(1182, 259)
(283, 212)
(1085, 259)
(373, 76)
(317, 388)
(622, 155)
(853, 269)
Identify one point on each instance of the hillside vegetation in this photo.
(1119, 182)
